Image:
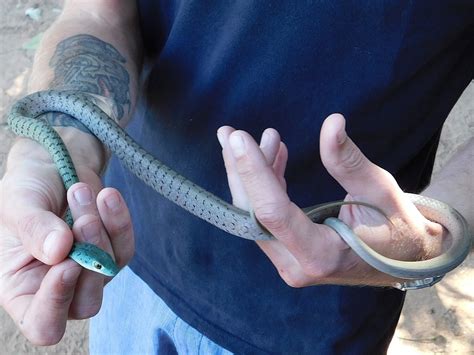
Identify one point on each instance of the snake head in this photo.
(93, 258)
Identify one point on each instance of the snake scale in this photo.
(23, 121)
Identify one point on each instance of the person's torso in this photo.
(393, 68)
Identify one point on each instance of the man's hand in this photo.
(39, 287)
(306, 253)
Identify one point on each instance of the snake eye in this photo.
(97, 266)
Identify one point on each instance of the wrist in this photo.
(453, 184)
(84, 148)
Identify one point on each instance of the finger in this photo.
(88, 228)
(82, 200)
(259, 180)
(316, 248)
(239, 197)
(45, 314)
(118, 223)
(88, 297)
(270, 144)
(275, 153)
(351, 168)
(271, 148)
(279, 165)
(268, 198)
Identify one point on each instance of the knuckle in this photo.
(90, 228)
(245, 167)
(273, 217)
(352, 159)
(294, 280)
(31, 230)
(62, 299)
(29, 224)
(41, 336)
(317, 271)
(122, 227)
(86, 311)
(392, 184)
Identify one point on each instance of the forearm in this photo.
(454, 184)
(93, 47)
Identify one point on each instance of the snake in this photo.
(24, 120)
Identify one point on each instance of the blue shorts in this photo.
(134, 320)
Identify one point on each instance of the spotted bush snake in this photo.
(23, 121)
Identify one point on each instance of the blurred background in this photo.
(437, 320)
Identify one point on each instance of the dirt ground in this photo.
(436, 320)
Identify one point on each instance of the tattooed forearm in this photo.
(63, 120)
(88, 64)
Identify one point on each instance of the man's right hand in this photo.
(39, 286)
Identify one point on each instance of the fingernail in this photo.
(70, 275)
(91, 232)
(50, 243)
(237, 144)
(265, 139)
(113, 202)
(83, 196)
(220, 138)
(341, 136)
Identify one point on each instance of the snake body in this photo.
(23, 121)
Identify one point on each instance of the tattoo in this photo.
(60, 119)
(90, 65)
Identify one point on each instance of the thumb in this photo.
(46, 236)
(29, 218)
(361, 178)
(367, 182)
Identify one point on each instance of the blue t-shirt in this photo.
(393, 68)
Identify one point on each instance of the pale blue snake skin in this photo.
(23, 121)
